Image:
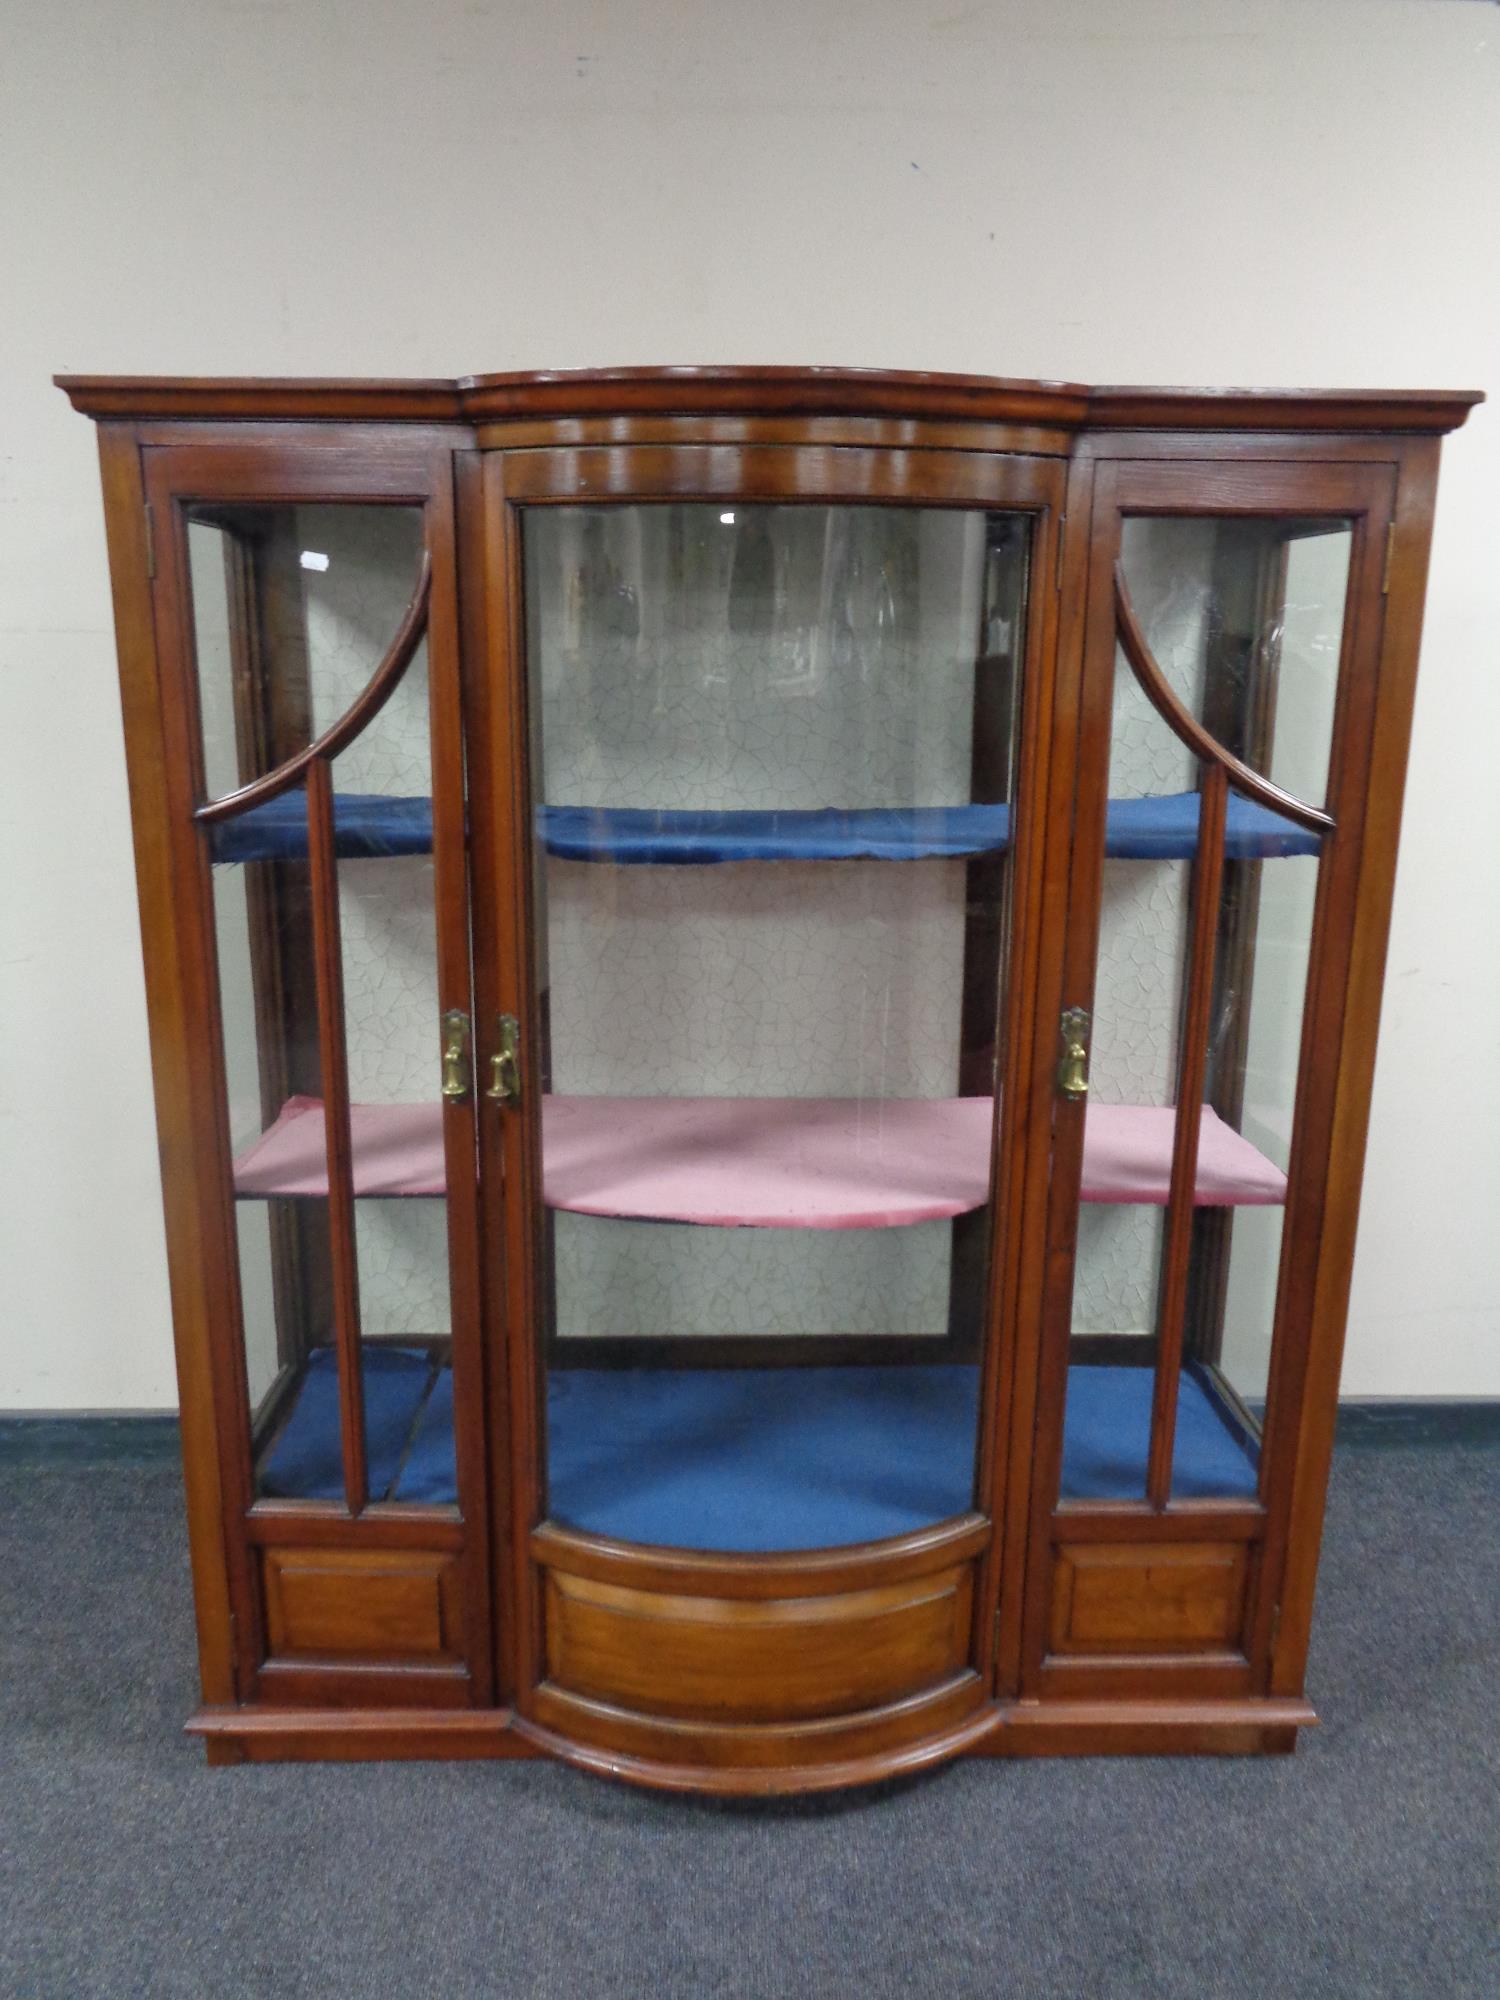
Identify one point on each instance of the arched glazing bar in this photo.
(353, 722)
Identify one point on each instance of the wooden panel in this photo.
(672, 1743)
(748, 1759)
(1298, 1457)
(422, 1685)
(216, 1483)
(1186, 1728)
(319, 1735)
(1133, 1521)
(701, 1573)
(736, 1659)
(1217, 1674)
(1108, 1597)
(325, 1524)
(890, 433)
(796, 392)
(362, 1603)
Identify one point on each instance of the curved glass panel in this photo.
(1245, 618)
(772, 760)
(293, 610)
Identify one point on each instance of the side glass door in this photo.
(773, 752)
(1228, 677)
(312, 637)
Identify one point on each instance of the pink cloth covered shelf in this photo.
(766, 1163)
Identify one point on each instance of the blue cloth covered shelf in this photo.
(368, 825)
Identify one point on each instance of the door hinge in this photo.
(1073, 1062)
(1390, 550)
(150, 543)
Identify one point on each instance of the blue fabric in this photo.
(1107, 1433)
(885, 833)
(1152, 829)
(431, 1469)
(755, 1458)
(305, 1462)
(1166, 829)
(760, 1458)
(778, 1458)
(365, 824)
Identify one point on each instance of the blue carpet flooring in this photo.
(1363, 1868)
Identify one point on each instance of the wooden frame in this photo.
(383, 1629)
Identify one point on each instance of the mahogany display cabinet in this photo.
(763, 988)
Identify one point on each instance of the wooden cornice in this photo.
(761, 392)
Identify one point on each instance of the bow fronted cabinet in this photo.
(763, 988)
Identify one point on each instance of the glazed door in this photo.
(306, 615)
(1229, 668)
(747, 1031)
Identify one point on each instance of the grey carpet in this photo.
(1364, 1866)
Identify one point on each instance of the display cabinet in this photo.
(763, 989)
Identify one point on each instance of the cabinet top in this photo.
(763, 392)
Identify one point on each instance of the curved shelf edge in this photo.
(812, 1572)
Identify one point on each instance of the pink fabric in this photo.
(769, 1162)
(1127, 1156)
(398, 1149)
(766, 1163)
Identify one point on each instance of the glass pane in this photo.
(772, 755)
(388, 935)
(1267, 949)
(293, 610)
(1245, 620)
(269, 1019)
(282, 653)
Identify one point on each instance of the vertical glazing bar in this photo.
(333, 1055)
(1192, 1067)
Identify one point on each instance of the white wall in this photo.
(1202, 191)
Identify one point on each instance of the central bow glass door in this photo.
(773, 754)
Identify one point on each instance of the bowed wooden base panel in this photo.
(760, 1674)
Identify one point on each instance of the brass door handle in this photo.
(1073, 1065)
(455, 1056)
(505, 1065)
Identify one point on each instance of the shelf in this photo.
(368, 826)
(755, 1459)
(760, 1162)
(628, 836)
(1166, 829)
